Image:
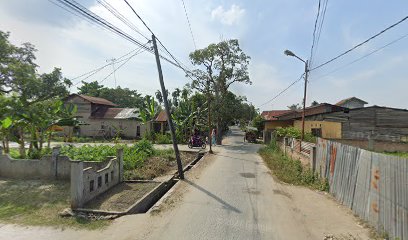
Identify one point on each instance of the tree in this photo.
(219, 66)
(314, 103)
(295, 107)
(30, 95)
(123, 97)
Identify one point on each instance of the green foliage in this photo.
(162, 138)
(290, 170)
(294, 133)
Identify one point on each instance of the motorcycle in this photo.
(196, 142)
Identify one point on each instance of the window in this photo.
(317, 132)
(91, 185)
(106, 178)
(111, 175)
(99, 181)
(138, 131)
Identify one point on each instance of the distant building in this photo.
(271, 122)
(102, 118)
(352, 103)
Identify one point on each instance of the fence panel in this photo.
(373, 185)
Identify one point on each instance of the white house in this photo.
(104, 119)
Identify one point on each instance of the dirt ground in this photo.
(122, 196)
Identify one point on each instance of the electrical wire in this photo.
(314, 32)
(362, 57)
(189, 24)
(284, 90)
(119, 16)
(360, 44)
(125, 61)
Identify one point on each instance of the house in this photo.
(351, 103)
(160, 124)
(325, 129)
(375, 122)
(103, 118)
(271, 122)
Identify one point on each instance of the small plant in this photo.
(162, 138)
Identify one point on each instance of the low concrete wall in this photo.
(291, 148)
(89, 182)
(48, 167)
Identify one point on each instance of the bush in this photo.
(290, 170)
(162, 138)
(294, 133)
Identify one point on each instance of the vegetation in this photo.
(34, 202)
(294, 133)
(398, 154)
(29, 101)
(218, 66)
(289, 170)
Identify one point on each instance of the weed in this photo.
(290, 170)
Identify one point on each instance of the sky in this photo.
(264, 30)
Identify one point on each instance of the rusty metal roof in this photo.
(271, 115)
(313, 110)
(95, 100)
(161, 117)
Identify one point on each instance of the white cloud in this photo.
(228, 17)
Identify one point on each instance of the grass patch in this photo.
(289, 170)
(398, 154)
(36, 202)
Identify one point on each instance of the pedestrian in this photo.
(213, 136)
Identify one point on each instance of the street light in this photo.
(290, 53)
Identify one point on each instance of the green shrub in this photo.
(290, 170)
(162, 138)
(294, 133)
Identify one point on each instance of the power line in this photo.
(119, 16)
(93, 72)
(314, 32)
(125, 61)
(284, 90)
(360, 44)
(319, 31)
(189, 24)
(75, 6)
(158, 40)
(362, 57)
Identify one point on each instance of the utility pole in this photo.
(304, 105)
(113, 60)
(166, 106)
(209, 116)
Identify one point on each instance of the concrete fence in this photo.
(373, 185)
(90, 182)
(48, 167)
(88, 179)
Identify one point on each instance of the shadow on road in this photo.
(225, 204)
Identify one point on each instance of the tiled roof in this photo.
(116, 113)
(161, 117)
(349, 99)
(271, 115)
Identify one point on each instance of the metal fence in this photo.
(373, 185)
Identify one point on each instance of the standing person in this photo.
(213, 137)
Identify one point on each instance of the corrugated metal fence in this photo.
(373, 185)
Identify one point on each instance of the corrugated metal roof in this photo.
(309, 111)
(97, 100)
(271, 115)
(116, 113)
(161, 117)
(349, 99)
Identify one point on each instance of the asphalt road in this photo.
(229, 195)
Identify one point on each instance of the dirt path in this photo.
(230, 195)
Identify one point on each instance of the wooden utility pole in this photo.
(166, 106)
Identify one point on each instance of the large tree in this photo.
(123, 97)
(218, 66)
(31, 97)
